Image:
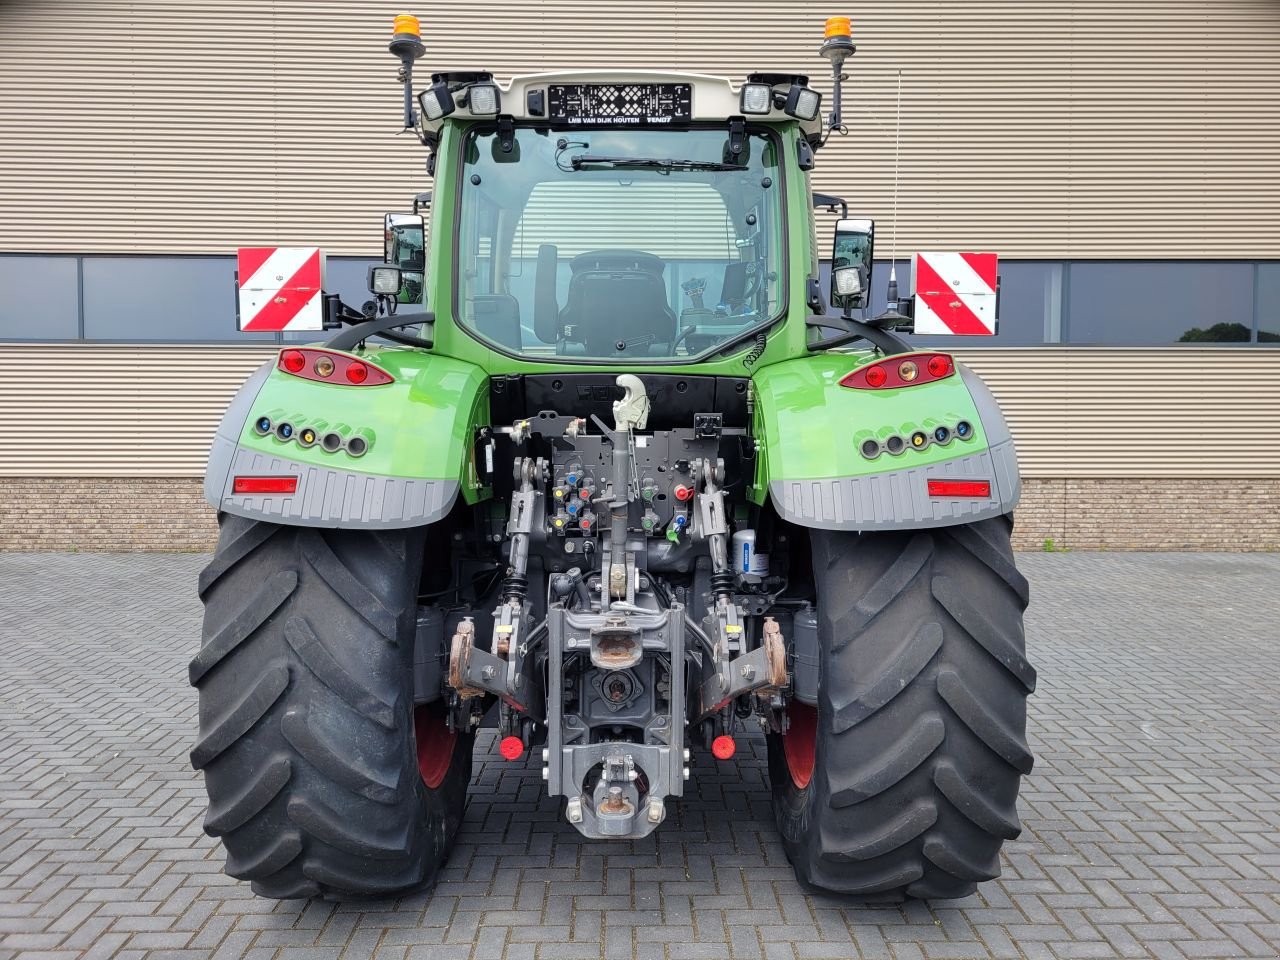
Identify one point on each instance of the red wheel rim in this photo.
(435, 744)
(799, 743)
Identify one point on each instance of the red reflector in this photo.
(265, 485)
(511, 748)
(723, 748)
(959, 488)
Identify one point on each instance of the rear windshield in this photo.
(589, 244)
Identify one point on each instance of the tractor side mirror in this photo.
(852, 258)
(405, 249)
(404, 235)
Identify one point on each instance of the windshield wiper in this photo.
(651, 163)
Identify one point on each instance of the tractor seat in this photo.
(617, 295)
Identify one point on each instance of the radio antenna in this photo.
(891, 317)
(897, 177)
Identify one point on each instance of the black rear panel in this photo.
(674, 398)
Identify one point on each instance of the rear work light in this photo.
(903, 370)
(325, 366)
(960, 488)
(265, 485)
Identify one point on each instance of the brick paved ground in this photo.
(1152, 820)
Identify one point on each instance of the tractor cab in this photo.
(617, 216)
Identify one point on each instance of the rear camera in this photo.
(284, 431)
(963, 430)
(870, 449)
(331, 442)
(357, 446)
(942, 435)
(895, 445)
(263, 426)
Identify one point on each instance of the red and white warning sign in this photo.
(955, 293)
(280, 288)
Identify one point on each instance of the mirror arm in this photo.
(830, 202)
(883, 340)
(381, 327)
(336, 313)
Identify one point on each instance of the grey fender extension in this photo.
(898, 499)
(326, 496)
(330, 497)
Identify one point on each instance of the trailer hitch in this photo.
(764, 668)
(508, 669)
(508, 672)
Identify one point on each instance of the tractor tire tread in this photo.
(306, 714)
(236, 809)
(316, 656)
(888, 813)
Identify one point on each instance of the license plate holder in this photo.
(620, 104)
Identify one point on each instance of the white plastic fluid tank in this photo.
(746, 560)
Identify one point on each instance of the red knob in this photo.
(683, 493)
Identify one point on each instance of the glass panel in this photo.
(1140, 304)
(162, 298)
(1269, 303)
(598, 247)
(38, 298)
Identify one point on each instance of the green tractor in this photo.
(598, 467)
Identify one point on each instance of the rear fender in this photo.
(810, 432)
(418, 431)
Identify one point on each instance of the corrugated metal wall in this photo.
(88, 410)
(1032, 127)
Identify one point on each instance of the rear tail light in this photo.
(904, 370)
(265, 485)
(939, 365)
(959, 488)
(325, 366)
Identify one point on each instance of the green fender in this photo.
(810, 432)
(417, 432)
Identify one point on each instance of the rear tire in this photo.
(904, 779)
(307, 723)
